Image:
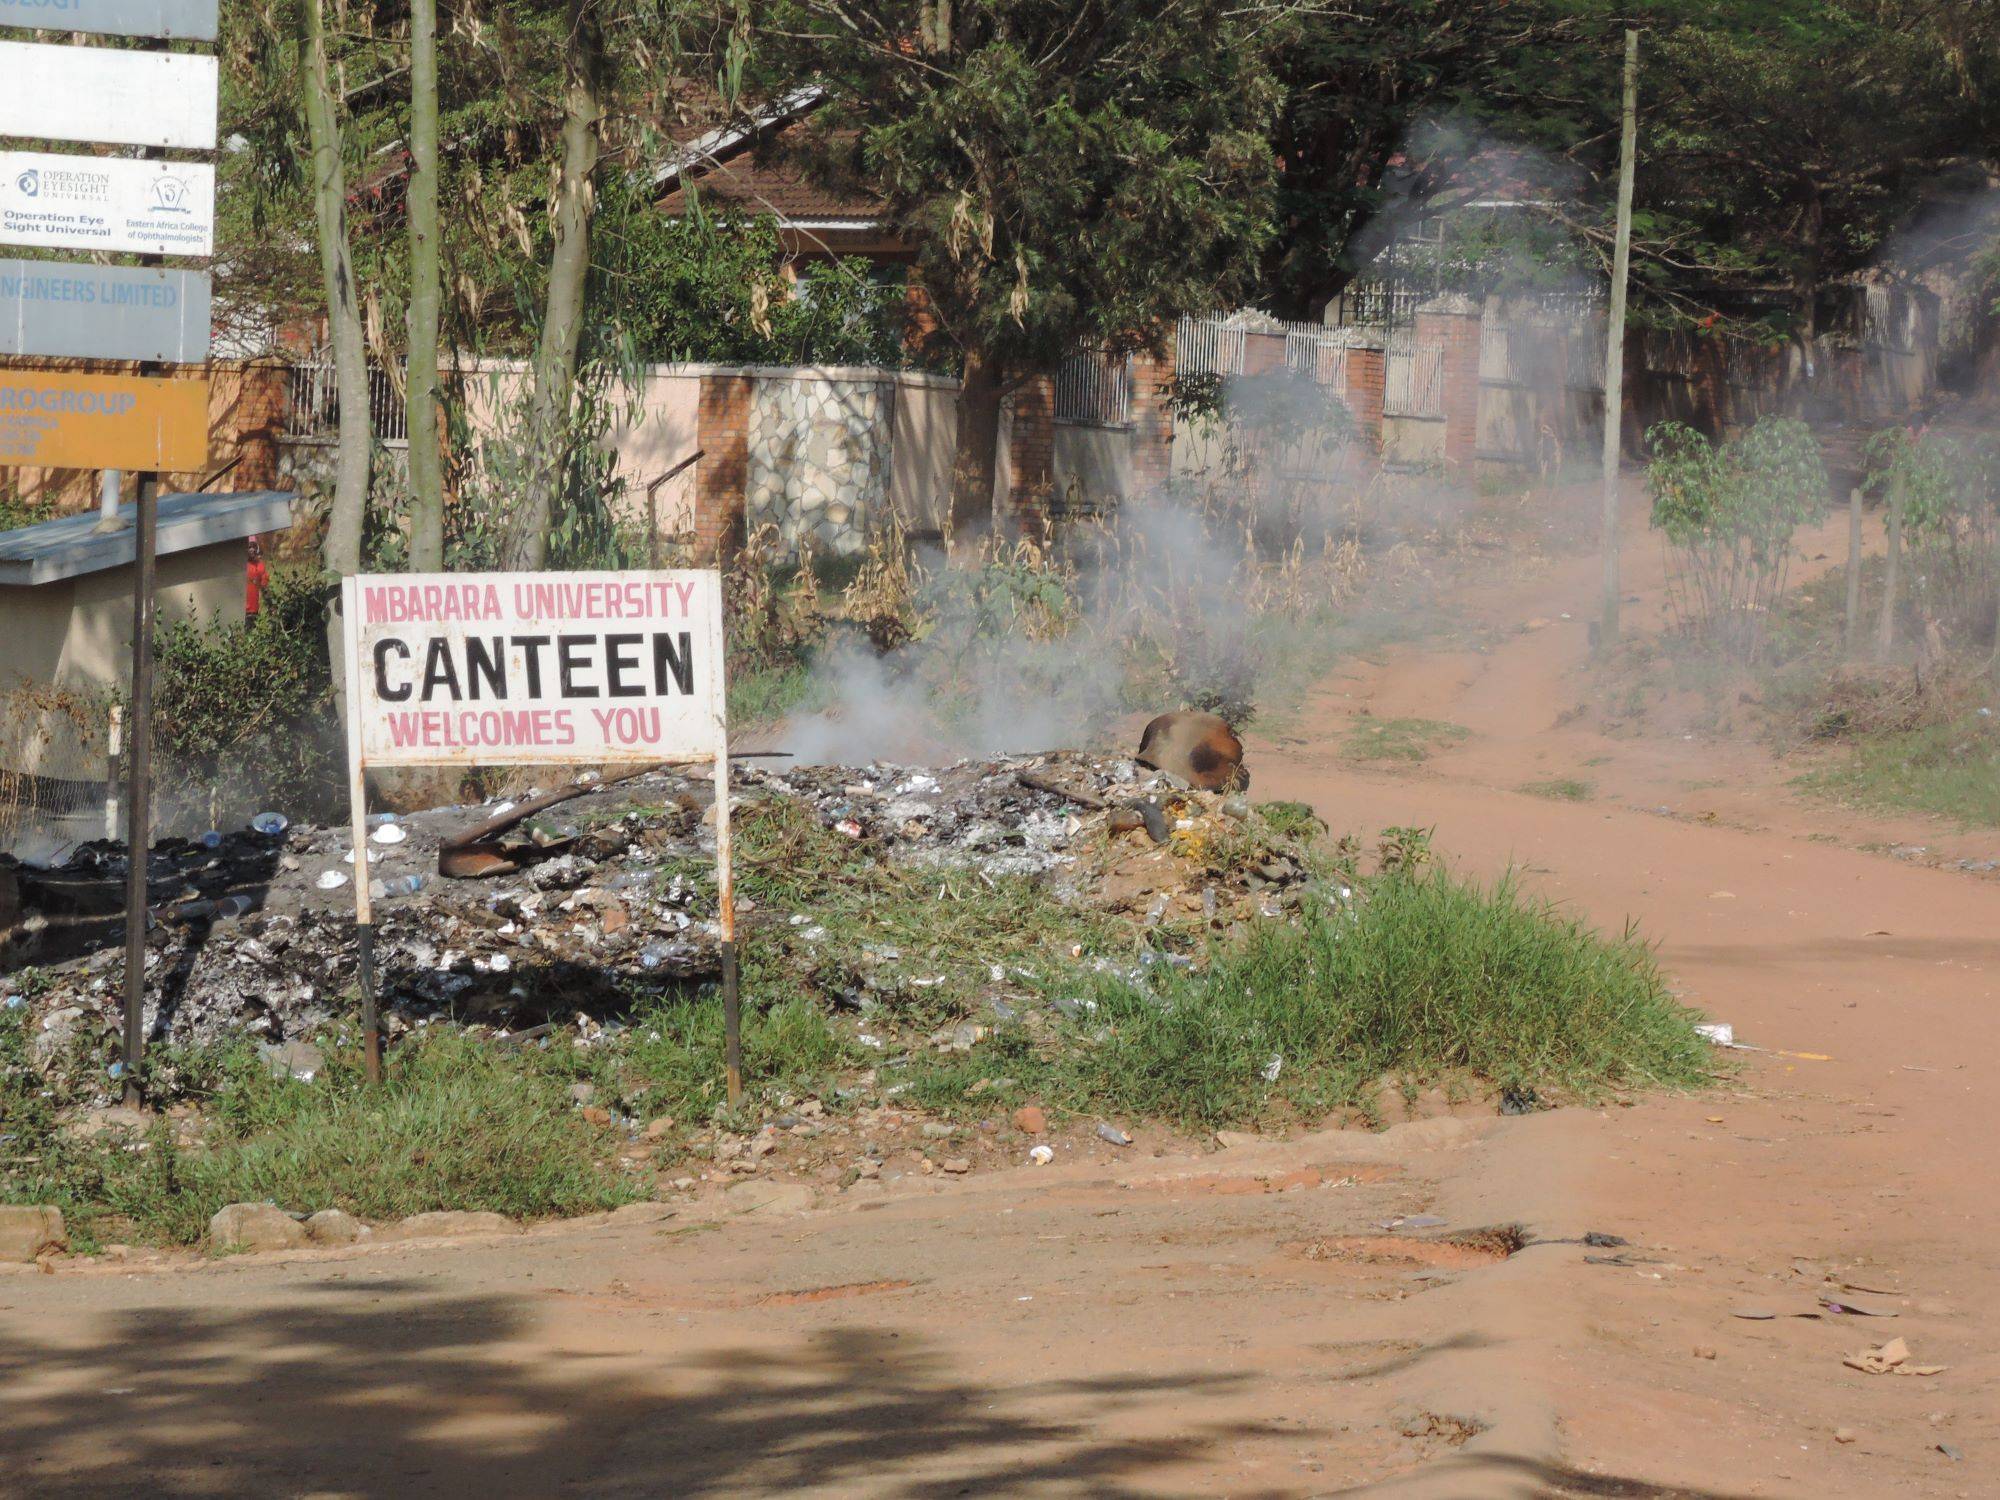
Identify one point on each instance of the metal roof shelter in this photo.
(71, 546)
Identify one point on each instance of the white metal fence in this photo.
(1094, 389)
(1208, 346)
(58, 770)
(312, 404)
(1414, 377)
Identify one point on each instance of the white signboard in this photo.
(107, 94)
(107, 203)
(533, 668)
(190, 19)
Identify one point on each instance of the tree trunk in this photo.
(1885, 630)
(342, 549)
(1614, 353)
(554, 370)
(420, 387)
(973, 460)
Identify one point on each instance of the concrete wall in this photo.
(1093, 467)
(77, 632)
(924, 438)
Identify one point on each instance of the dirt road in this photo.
(1160, 1322)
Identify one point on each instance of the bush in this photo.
(1728, 514)
(1427, 976)
(243, 712)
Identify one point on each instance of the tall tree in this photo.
(1068, 171)
(342, 549)
(420, 386)
(552, 373)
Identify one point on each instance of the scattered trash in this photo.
(388, 833)
(1520, 1102)
(1269, 1072)
(1721, 1033)
(210, 840)
(270, 824)
(330, 880)
(1412, 1221)
(1892, 1358)
(1041, 1156)
(1753, 1314)
(1946, 1448)
(1114, 1135)
(1597, 1239)
(1855, 1309)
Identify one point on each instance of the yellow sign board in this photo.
(56, 421)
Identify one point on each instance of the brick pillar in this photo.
(1263, 353)
(260, 417)
(722, 432)
(1031, 452)
(1367, 387)
(1152, 420)
(1452, 322)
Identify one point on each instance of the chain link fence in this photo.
(59, 755)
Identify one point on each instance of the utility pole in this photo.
(1614, 344)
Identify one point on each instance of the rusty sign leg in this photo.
(725, 915)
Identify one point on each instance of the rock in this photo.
(957, 1165)
(936, 1132)
(1229, 1139)
(1703, 1351)
(451, 1224)
(868, 1168)
(330, 1226)
(1844, 1434)
(593, 1115)
(30, 1230)
(764, 1145)
(658, 1129)
(1030, 1120)
(582, 1093)
(254, 1226)
(769, 1200)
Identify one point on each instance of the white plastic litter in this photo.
(330, 880)
(388, 833)
(1721, 1033)
(1041, 1156)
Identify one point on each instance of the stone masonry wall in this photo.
(817, 459)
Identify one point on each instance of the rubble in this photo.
(252, 932)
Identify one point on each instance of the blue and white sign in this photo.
(52, 309)
(106, 203)
(187, 20)
(107, 94)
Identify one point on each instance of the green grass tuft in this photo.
(1950, 771)
(1429, 977)
(1407, 741)
(1560, 789)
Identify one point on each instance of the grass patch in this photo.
(1560, 789)
(768, 694)
(455, 1124)
(1429, 977)
(1949, 771)
(1401, 741)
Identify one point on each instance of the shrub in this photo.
(243, 712)
(1728, 514)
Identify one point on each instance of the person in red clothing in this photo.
(256, 576)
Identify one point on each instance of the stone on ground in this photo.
(451, 1224)
(29, 1230)
(255, 1226)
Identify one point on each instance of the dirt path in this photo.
(1221, 1323)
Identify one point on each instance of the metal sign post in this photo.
(139, 788)
(510, 669)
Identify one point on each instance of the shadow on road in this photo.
(391, 1390)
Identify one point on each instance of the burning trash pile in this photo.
(572, 912)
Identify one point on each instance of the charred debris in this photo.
(571, 914)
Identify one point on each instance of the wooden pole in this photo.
(357, 795)
(1614, 344)
(1885, 629)
(1852, 638)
